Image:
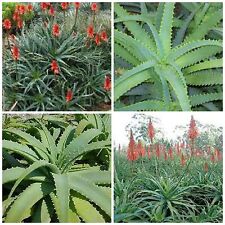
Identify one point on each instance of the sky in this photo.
(169, 121)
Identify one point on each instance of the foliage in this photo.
(168, 56)
(34, 83)
(179, 183)
(54, 167)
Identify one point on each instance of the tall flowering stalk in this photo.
(131, 151)
(151, 131)
(192, 133)
(76, 6)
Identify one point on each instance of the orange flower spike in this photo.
(193, 130)
(15, 53)
(151, 131)
(90, 31)
(107, 83)
(44, 6)
(22, 9)
(69, 95)
(97, 39)
(56, 30)
(170, 153)
(64, 5)
(29, 8)
(94, 6)
(131, 153)
(51, 11)
(20, 24)
(7, 24)
(157, 151)
(55, 67)
(77, 5)
(104, 36)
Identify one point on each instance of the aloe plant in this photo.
(57, 171)
(168, 63)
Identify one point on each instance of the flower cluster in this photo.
(181, 150)
(50, 22)
(100, 36)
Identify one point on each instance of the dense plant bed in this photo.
(56, 56)
(57, 168)
(168, 56)
(157, 181)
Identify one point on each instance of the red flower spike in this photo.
(20, 24)
(97, 40)
(151, 132)
(107, 83)
(170, 153)
(7, 24)
(22, 9)
(55, 30)
(15, 52)
(94, 6)
(90, 31)
(131, 153)
(16, 16)
(64, 5)
(77, 5)
(157, 151)
(29, 8)
(104, 36)
(55, 67)
(193, 130)
(44, 6)
(51, 11)
(69, 95)
(140, 149)
(182, 160)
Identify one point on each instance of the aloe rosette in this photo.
(180, 65)
(56, 175)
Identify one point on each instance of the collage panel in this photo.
(56, 56)
(56, 168)
(168, 167)
(168, 56)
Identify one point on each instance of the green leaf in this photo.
(165, 33)
(204, 78)
(198, 55)
(213, 63)
(96, 177)
(30, 169)
(12, 174)
(148, 105)
(177, 84)
(203, 98)
(20, 149)
(92, 192)
(132, 78)
(62, 193)
(30, 196)
(138, 32)
(87, 211)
